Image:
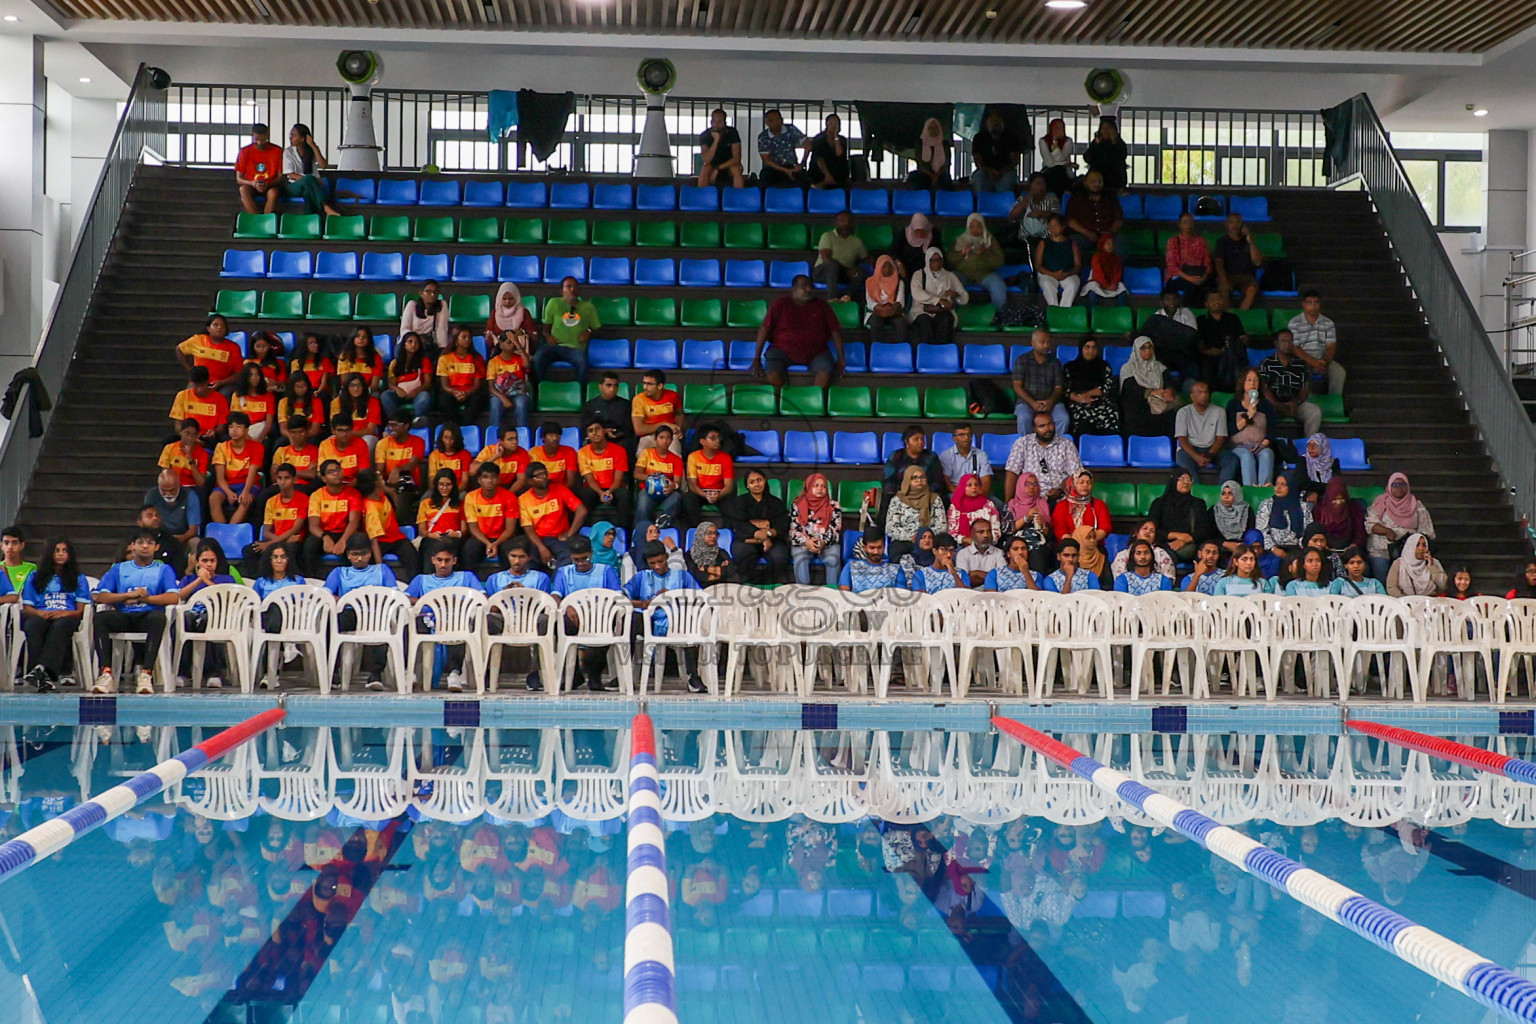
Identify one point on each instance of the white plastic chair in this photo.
(223, 790)
(601, 619)
(835, 786)
(1371, 781)
(458, 617)
(378, 791)
(14, 643)
(1298, 783)
(302, 790)
(911, 782)
(1235, 632)
(1307, 629)
(760, 774)
(999, 625)
(747, 622)
(835, 622)
(529, 618)
(1168, 626)
(231, 611)
(911, 623)
(991, 782)
(161, 664)
(688, 788)
(1455, 630)
(383, 616)
(447, 792)
(1380, 629)
(1517, 644)
(520, 777)
(689, 622)
(1076, 625)
(592, 791)
(308, 619)
(1231, 787)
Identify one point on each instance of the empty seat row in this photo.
(375, 306)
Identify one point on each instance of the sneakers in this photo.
(455, 681)
(183, 682)
(696, 685)
(291, 653)
(146, 681)
(38, 677)
(214, 683)
(105, 683)
(533, 684)
(375, 682)
(67, 681)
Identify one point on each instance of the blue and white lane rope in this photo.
(650, 988)
(1430, 952)
(56, 833)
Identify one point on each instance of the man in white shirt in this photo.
(979, 557)
(1200, 430)
(965, 459)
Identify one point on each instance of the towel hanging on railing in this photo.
(501, 113)
(895, 127)
(1336, 124)
(541, 119)
(38, 401)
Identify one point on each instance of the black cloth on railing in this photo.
(37, 404)
(1016, 123)
(541, 118)
(1336, 125)
(895, 127)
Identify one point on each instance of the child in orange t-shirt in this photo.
(711, 478)
(658, 498)
(237, 473)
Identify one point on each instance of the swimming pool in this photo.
(433, 873)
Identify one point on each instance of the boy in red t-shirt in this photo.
(604, 468)
(236, 473)
(659, 462)
(559, 459)
(259, 171)
(711, 477)
(551, 515)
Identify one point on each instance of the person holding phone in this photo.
(1238, 261)
(302, 164)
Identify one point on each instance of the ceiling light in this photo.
(991, 15)
(11, 17)
(1480, 112)
(1066, 5)
(85, 81)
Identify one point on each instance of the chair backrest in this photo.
(380, 611)
(689, 613)
(305, 609)
(457, 611)
(1491, 610)
(1232, 620)
(1165, 617)
(1520, 624)
(599, 613)
(1449, 622)
(1293, 620)
(1376, 620)
(524, 612)
(231, 607)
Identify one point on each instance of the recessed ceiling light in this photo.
(1480, 112)
(1066, 5)
(11, 17)
(85, 81)
(991, 14)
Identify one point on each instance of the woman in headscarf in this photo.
(1057, 165)
(1232, 517)
(1183, 521)
(1394, 514)
(912, 508)
(605, 545)
(885, 302)
(816, 530)
(1148, 402)
(968, 504)
(1086, 519)
(1340, 516)
(1319, 463)
(1416, 573)
(427, 315)
(1029, 505)
(1283, 518)
(706, 559)
(1106, 271)
(932, 158)
(510, 316)
(935, 294)
(1091, 392)
(975, 256)
(909, 246)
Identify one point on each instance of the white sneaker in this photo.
(143, 733)
(146, 681)
(375, 684)
(214, 683)
(291, 653)
(105, 683)
(66, 680)
(455, 681)
(183, 683)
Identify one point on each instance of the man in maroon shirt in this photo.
(799, 329)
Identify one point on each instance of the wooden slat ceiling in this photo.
(1403, 26)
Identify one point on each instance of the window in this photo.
(1424, 175)
(1446, 170)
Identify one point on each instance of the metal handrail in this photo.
(139, 137)
(1454, 324)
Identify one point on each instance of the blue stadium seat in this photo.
(609, 270)
(336, 266)
(783, 200)
(741, 200)
(1098, 450)
(905, 204)
(655, 271)
(426, 436)
(854, 447)
(397, 192)
(1258, 355)
(1162, 207)
(1132, 207)
(746, 274)
(384, 266)
(520, 269)
(1117, 356)
(384, 344)
(997, 447)
(807, 446)
(422, 266)
(857, 356)
(1221, 203)
(1066, 353)
(1252, 208)
(694, 199)
(1114, 544)
(656, 353)
(470, 267)
(938, 359)
(244, 263)
(239, 338)
(571, 438)
(851, 539)
(1279, 282)
(870, 202)
(826, 201)
(292, 264)
(703, 355)
(656, 197)
(527, 194)
(954, 204)
(725, 539)
(365, 189)
(484, 193)
(765, 441)
(740, 357)
(570, 195)
(609, 353)
(477, 342)
(988, 359)
(613, 197)
(232, 537)
(1350, 451)
(1148, 452)
(439, 192)
(558, 268)
(1144, 280)
(472, 440)
(890, 357)
(693, 273)
(890, 443)
(782, 273)
(997, 204)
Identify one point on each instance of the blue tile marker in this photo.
(1434, 954)
(650, 986)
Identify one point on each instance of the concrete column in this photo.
(23, 108)
(92, 124)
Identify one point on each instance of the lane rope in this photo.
(1518, 769)
(650, 986)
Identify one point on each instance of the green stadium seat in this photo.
(1067, 319)
(1255, 322)
(975, 316)
(776, 487)
(792, 491)
(594, 390)
(1138, 242)
(559, 396)
(850, 493)
(1119, 498)
(1112, 319)
(613, 232)
(753, 400)
(299, 227)
(1269, 244)
(656, 234)
(877, 237)
(788, 236)
(702, 313)
(389, 229)
(704, 398)
(848, 314)
(344, 229)
(613, 311)
(945, 403)
(256, 225)
(235, 303)
(802, 400)
(848, 401)
(523, 231)
(282, 306)
(567, 232)
(531, 303)
(746, 313)
(331, 306)
(480, 230)
(744, 236)
(656, 312)
(1220, 398)
(1208, 493)
(469, 309)
(377, 306)
(433, 229)
(1367, 495)
(1280, 319)
(698, 234)
(1254, 496)
(896, 402)
(1332, 407)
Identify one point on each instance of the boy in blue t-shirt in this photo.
(136, 593)
(583, 574)
(658, 577)
(361, 572)
(517, 576)
(444, 574)
(53, 601)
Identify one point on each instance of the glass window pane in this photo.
(1437, 140)
(1189, 167)
(1304, 173)
(1248, 170)
(1424, 176)
(1463, 194)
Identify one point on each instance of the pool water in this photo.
(836, 876)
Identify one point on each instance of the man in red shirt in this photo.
(284, 518)
(799, 328)
(349, 450)
(259, 171)
(335, 513)
(560, 460)
(604, 468)
(490, 518)
(552, 516)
